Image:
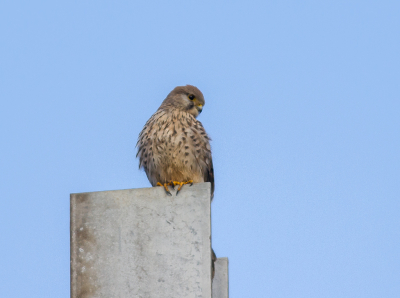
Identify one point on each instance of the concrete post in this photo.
(142, 243)
(220, 285)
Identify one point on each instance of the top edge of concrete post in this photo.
(141, 243)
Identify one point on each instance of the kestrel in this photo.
(173, 147)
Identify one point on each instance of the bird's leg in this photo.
(173, 183)
(166, 188)
(182, 184)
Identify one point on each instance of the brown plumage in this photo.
(173, 145)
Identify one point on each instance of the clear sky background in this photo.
(302, 104)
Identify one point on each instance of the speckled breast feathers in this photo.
(173, 145)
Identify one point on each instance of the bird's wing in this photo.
(209, 175)
(202, 151)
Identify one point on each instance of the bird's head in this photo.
(186, 98)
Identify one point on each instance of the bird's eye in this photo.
(191, 96)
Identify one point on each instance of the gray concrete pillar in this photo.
(220, 285)
(142, 243)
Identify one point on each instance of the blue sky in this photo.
(302, 104)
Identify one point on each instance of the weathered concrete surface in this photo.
(220, 285)
(141, 243)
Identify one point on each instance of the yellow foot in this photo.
(182, 184)
(166, 187)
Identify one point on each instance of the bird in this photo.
(173, 148)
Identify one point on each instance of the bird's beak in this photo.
(199, 108)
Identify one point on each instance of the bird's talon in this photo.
(179, 188)
(172, 184)
(165, 187)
